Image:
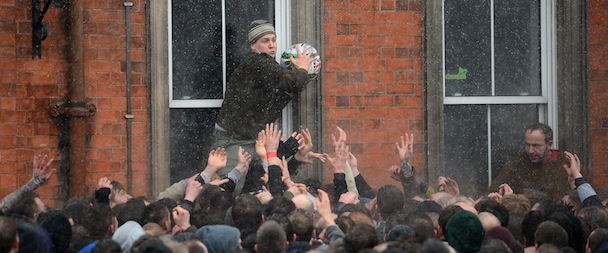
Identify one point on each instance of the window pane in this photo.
(466, 141)
(467, 48)
(239, 15)
(517, 47)
(191, 135)
(508, 124)
(197, 49)
(466, 148)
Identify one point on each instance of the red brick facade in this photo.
(373, 79)
(598, 91)
(28, 87)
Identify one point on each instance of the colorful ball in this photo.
(315, 66)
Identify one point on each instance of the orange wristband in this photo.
(271, 155)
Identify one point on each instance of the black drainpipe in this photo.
(129, 116)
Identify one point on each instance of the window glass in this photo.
(207, 39)
(517, 47)
(467, 48)
(467, 141)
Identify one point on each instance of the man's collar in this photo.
(554, 155)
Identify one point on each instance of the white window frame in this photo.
(547, 101)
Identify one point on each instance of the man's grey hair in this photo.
(543, 128)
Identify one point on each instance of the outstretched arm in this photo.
(585, 191)
(42, 172)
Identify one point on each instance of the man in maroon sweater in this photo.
(538, 167)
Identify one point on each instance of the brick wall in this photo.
(598, 90)
(373, 79)
(29, 86)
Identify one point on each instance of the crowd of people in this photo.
(204, 213)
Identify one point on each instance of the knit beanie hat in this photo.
(465, 232)
(503, 234)
(258, 29)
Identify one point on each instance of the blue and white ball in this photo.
(315, 66)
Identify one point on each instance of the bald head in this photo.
(302, 201)
(488, 220)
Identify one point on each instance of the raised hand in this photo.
(217, 159)
(42, 171)
(193, 189)
(405, 148)
(181, 217)
(244, 159)
(505, 189)
(273, 136)
(324, 207)
(395, 172)
(574, 168)
(104, 182)
(260, 149)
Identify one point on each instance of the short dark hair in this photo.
(444, 217)
(271, 238)
(360, 236)
(597, 238)
(302, 225)
(8, 233)
(157, 213)
(98, 219)
(390, 199)
(552, 233)
(247, 214)
(543, 128)
(496, 208)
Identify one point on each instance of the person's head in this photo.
(494, 246)
(285, 223)
(219, 238)
(60, 230)
(302, 224)
(422, 224)
(100, 221)
(106, 246)
(390, 199)
(302, 201)
(127, 234)
(593, 217)
(597, 238)
(516, 204)
(464, 232)
(247, 214)
(222, 201)
(133, 210)
(279, 204)
(270, 238)
(157, 213)
(503, 234)
(28, 205)
(538, 139)
(262, 38)
(9, 240)
(444, 217)
(118, 195)
(529, 225)
(360, 236)
(548, 248)
(488, 220)
(494, 207)
(552, 233)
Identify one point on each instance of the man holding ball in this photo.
(257, 92)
